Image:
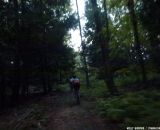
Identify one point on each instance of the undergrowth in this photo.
(132, 109)
(138, 108)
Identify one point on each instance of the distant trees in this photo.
(84, 60)
(149, 12)
(119, 36)
(32, 45)
(34, 36)
(138, 45)
(103, 42)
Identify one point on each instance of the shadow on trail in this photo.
(56, 111)
(69, 116)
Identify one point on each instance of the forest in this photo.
(118, 65)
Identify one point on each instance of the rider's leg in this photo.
(77, 96)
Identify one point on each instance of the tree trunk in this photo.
(17, 80)
(25, 39)
(43, 75)
(17, 57)
(2, 92)
(108, 63)
(104, 49)
(2, 85)
(83, 50)
(136, 38)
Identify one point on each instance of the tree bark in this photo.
(17, 56)
(104, 48)
(136, 38)
(2, 85)
(83, 50)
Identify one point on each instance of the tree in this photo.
(138, 45)
(104, 47)
(33, 35)
(83, 49)
(149, 12)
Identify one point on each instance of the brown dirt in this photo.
(53, 112)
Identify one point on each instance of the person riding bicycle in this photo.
(76, 87)
(71, 83)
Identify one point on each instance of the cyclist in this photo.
(76, 87)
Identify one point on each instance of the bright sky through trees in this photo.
(75, 34)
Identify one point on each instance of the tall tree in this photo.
(149, 13)
(33, 34)
(104, 48)
(138, 44)
(83, 49)
(17, 69)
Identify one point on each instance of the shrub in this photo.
(132, 108)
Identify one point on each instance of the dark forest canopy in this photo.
(119, 61)
(122, 39)
(130, 30)
(33, 44)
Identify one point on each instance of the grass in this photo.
(62, 87)
(97, 90)
(132, 109)
(138, 108)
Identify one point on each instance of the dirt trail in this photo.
(53, 112)
(74, 117)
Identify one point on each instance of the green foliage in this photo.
(122, 50)
(62, 88)
(97, 90)
(33, 39)
(138, 108)
(131, 74)
(126, 76)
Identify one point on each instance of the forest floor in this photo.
(55, 111)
